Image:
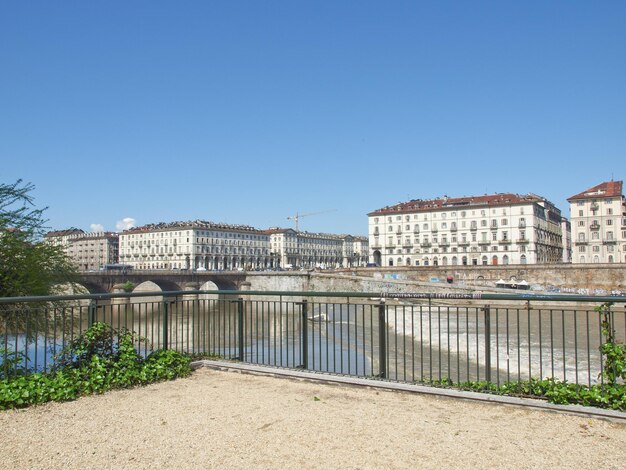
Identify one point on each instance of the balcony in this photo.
(434, 230)
(444, 243)
(426, 245)
(522, 225)
(473, 228)
(484, 242)
(595, 226)
(464, 243)
(376, 246)
(453, 229)
(522, 241)
(407, 245)
(594, 206)
(610, 241)
(504, 241)
(582, 242)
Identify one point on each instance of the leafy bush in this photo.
(554, 391)
(100, 359)
(614, 354)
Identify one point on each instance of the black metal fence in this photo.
(404, 337)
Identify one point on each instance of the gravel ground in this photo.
(218, 419)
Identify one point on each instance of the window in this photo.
(609, 222)
(609, 211)
(581, 223)
(580, 213)
(581, 249)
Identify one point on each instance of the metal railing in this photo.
(398, 336)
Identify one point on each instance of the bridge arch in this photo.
(91, 287)
(163, 285)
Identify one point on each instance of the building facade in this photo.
(89, 251)
(477, 230)
(200, 245)
(317, 250)
(598, 217)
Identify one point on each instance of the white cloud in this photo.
(97, 227)
(125, 223)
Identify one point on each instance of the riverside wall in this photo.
(582, 279)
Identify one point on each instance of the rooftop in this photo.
(443, 203)
(602, 190)
(191, 224)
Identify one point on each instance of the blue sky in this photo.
(248, 111)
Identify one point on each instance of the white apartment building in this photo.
(88, 251)
(598, 217)
(566, 229)
(199, 244)
(476, 230)
(317, 250)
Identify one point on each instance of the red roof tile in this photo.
(602, 190)
(419, 205)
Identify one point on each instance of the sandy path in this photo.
(218, 419)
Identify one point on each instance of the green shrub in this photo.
(101, 359)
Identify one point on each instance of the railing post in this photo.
(91, 312)
(305, 335)
(487, 312)
(382, 340)
(164, 323)
(240, 328)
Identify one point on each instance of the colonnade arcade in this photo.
(227, 263)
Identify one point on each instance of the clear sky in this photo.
(245, 112)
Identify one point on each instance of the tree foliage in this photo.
(28, 266)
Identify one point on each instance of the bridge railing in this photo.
(397, 336)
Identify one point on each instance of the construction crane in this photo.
(297, 216)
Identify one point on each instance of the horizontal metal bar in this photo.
(373, 295)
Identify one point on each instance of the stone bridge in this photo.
(107, 281)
